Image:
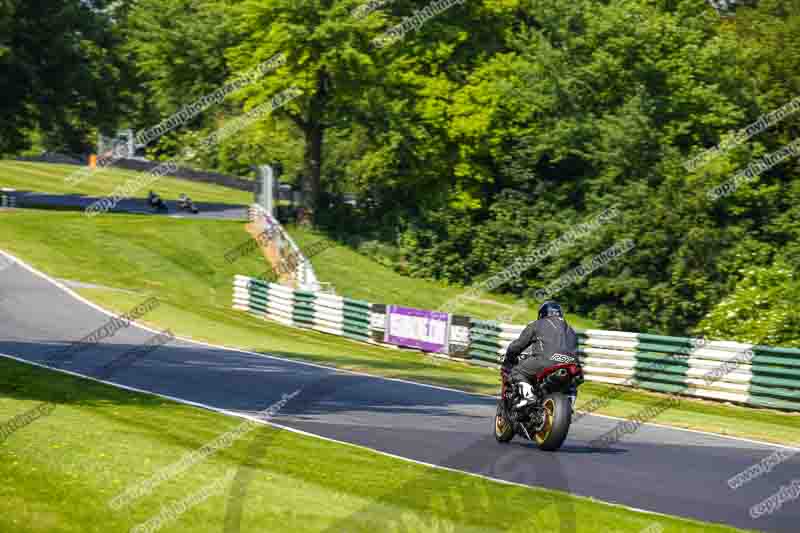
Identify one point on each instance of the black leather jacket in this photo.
(547, 336)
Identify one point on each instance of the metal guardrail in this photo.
(304, 274)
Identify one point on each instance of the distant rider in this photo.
(153, 199)
(548, 335)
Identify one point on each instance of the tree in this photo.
(178, 48)
(326, 60)
(761, 310)
(60, 73)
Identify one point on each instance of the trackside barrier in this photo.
(294, 307)
(718, 370)
(304, 274)
(762, 376)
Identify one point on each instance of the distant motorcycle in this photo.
(545, 418)
(185, 203)
(156, 203)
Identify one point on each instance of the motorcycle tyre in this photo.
(503, 432)
(559, 418)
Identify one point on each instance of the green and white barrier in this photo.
(313, 310)
(719, 370)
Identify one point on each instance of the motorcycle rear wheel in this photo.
(503, 429)
(557, 419)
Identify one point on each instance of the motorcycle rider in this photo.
(184, 202)
(153, 199)
(548, 335)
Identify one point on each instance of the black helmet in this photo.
(550, 309)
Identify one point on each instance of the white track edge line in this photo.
(363, 374)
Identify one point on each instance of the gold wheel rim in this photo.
(499, 424)
(549, 408)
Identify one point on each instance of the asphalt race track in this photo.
(40, 200)
(658, 469)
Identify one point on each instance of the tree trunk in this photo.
(313, 163)
(314, 128)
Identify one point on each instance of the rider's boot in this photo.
(527, 394)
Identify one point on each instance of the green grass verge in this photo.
(49, 178)
(182, 261)
(61, 471)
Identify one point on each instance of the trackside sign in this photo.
(417, 328)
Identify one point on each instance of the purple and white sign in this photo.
(417, 328)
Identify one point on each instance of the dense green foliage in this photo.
(61, 75)
(497, 126)
(762, 309)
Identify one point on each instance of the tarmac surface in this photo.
(74, 202)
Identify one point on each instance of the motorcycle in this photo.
(185, 203)
(156, 203)
(545, 417)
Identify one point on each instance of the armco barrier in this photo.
(314, 310)
(304, 271)
(719, 370)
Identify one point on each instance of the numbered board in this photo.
(417, 328)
